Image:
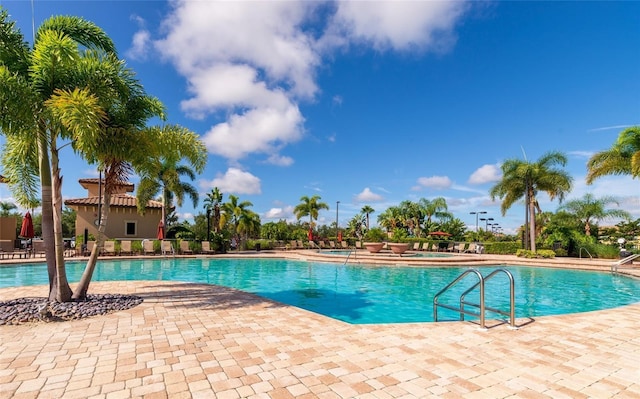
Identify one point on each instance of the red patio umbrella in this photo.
(310, 235)
(161, 230)
(340, 236)
(26, 231)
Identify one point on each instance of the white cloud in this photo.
(399, 25)
(234, 181)
(139, 45)
(486, 174)
(279, 213)
(368, 196)
(255, 61)
(437, 182)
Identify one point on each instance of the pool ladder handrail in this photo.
(348, 255)
(629, 259)
(482, 306)
(585, 250)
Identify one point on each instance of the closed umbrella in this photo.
(161, 230)
(310, 235)
(26, 231)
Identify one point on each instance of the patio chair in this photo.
(184, 247)
(167, 248)
(416, 246)
(471, 249)
(344, 244)
(313, 245)
(459, 247)
(449, 247)
(358, 244)
(206, 248)
(323, 245)
(125, 248)
(332, 244)
(109, 248)
(147, 247)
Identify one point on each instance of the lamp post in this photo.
(208, 224)
(477, 213)
(487, 224)
(337, 206)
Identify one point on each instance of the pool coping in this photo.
(195, 340)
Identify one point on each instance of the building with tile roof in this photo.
(124, 221)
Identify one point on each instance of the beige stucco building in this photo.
(124, 222)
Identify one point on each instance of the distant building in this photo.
(124, 221)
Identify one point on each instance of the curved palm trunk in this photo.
(87, 275)
(59, 289)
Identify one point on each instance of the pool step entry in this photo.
(622, 262)
(481, 306)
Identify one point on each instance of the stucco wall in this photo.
(146, 226)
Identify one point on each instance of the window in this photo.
(130, 228)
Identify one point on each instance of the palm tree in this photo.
(436, 207)
(6, 208)
(37, 86)
(525, 179)
(367, 210)
(212, 204)
(623, 158)
(166, 180)
(590, 209)
(234, 211)
(309, 207)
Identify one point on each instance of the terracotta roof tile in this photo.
(122, 200)
(96, 181)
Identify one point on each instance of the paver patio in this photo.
(201, 341)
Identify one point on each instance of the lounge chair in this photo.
(147, 247)
(358, 244)
(313, 245)
(125, 248)
(332, 245)
(416, 246)
(167, 248)
(323, 245)
(425, 246)
(206, 248)
(86, 251)
(344, 244)
(184, 247)
(471, 249)
(459, 247)
(109, 248)
(449, 247)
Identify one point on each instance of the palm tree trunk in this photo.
(532, 221)
(64, 291)
(87, 275)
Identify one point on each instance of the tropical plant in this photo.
(356, 227)
(367, 210)
(309, 207)
(234, 211)
(525, 179)
(623, 158)
(590, 209)
(212, 205)
(162, 175)
(6, 208)
(45, 98)
(436, 207)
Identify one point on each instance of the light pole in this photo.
(337, 207)
(487, 224)
(477, 213)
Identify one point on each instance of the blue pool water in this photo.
(364, 294)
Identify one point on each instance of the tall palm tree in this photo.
(37, 85)
(233, 211)
(436, 207)
(6, 208)
(367, 210)
(212, 204)
(309, 207)
(525, 179)
(166, 181)
(623, 158)
(590, 209)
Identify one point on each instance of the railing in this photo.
(585, 250)
(623, 261)
(483, 308)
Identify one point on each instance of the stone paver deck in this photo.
(202, 341)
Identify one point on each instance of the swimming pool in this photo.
(363, 294)
(346, 252)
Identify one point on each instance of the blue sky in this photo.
(373, 103)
